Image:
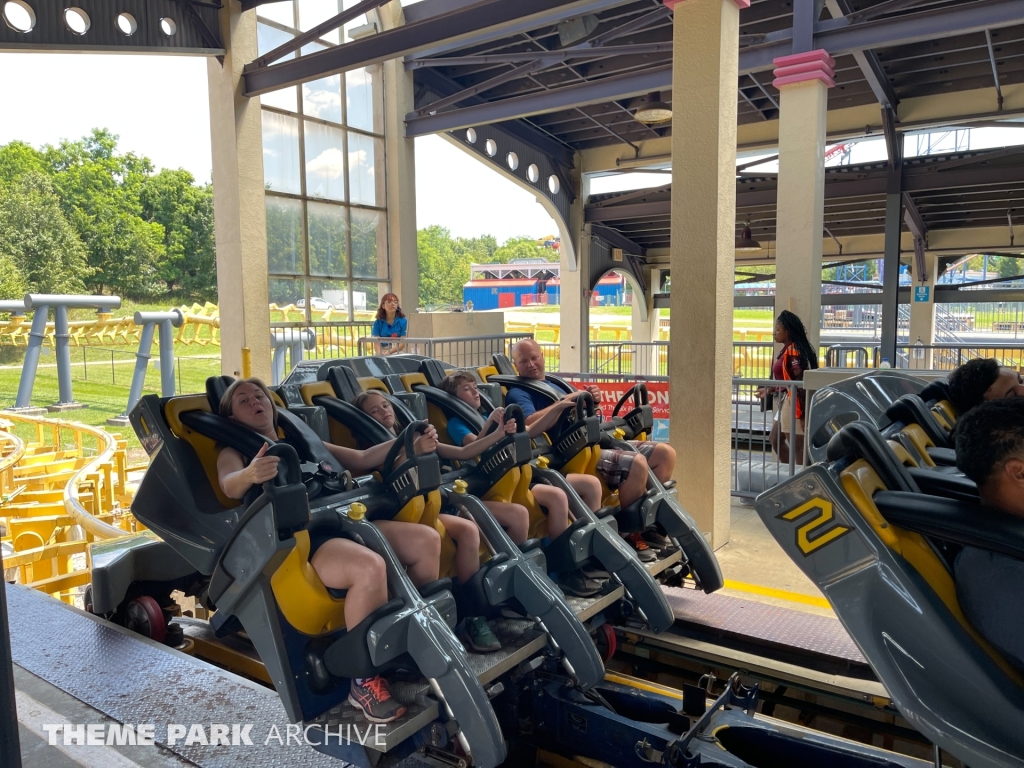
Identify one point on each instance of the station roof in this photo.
(577, 78)
(955, 191)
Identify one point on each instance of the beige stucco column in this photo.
(236, 137)
(803, 80)
(401, 174)
(645, 327)
(922, 312)
(574, 282)
(704, 75)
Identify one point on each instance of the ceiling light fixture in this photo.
(746, 243)
(655, 111)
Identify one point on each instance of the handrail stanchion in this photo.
(148, 322)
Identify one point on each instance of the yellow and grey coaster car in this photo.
(576, 443)
(508, 577)
(249, 563)
(881, 552)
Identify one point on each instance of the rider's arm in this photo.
(474, 447)
(520, 397)
(360, 461)
(236, 477)
(546, 419)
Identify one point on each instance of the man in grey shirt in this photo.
(990, 586)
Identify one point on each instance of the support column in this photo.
(401, 176)
(704, 75)
(574, 284)
(922, 312)
(893, 234)
(645, 328)
(803, 80)
(240, 219)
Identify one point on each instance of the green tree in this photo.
(522, 248)
(1008, 266)
(443, 271)
(100, 191)
(185, 211)
(37, 241)
(12, 282)
(17, 159)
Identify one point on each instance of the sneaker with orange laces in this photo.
(371, 696)
(643, 550)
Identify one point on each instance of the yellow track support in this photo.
(60, 490)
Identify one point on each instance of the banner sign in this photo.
(612, 392)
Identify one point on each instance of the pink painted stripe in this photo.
(819, 55)
(671, 4)
(803, 78)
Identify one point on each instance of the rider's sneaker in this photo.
(578, 584)
(373, 698)
(479, 636)
(643, 551)
(658, 542)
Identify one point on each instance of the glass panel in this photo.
(282, 13)
(268, 38)
(313, 12)
(329, 294)
(325, 163)
(364, 100)
(284, 292)
(286, 98)
(369, 243)
(328, 246)
(366, 169)
(322, 98)
(284, 235)
(366, 298)
(281, 153)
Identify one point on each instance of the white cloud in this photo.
(327, 164)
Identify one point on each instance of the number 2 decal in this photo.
(824, 520)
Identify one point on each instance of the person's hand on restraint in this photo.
(262, 467)
(426, 442)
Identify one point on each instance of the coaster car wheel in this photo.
(144, 615)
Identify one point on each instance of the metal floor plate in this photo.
(757, 621)
(134, 680)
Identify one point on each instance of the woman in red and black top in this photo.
(797, 356)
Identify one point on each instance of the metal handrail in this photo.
(106, 444)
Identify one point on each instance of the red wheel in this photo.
(146, 618)
(607, 642)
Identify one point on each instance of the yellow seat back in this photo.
(206, 448)
(372, 383)
(861, 483)
(301, 596)
(339, 433)
(916, 434)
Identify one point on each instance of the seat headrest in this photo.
(345, 383)
(433, 371)
(936, 391)
(911, 409)
(858, 440)
(216, 386)
(503, 364)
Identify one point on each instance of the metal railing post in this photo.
(63, 354)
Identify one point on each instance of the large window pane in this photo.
(268, 38)
(369, 243)
(282, 13)
(284, 236)
(281, 153)
(313, 12)
(286, 98)
(285, 292)
(322, 98)
(364, 99)
(328, 241)
(366, 299)
(325, 161)
(365, 169)
(332, 292)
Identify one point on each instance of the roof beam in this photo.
(431, 9)
(457, 25)
(557, 55)
(837, 36)
(913, 217)
(618, 240)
